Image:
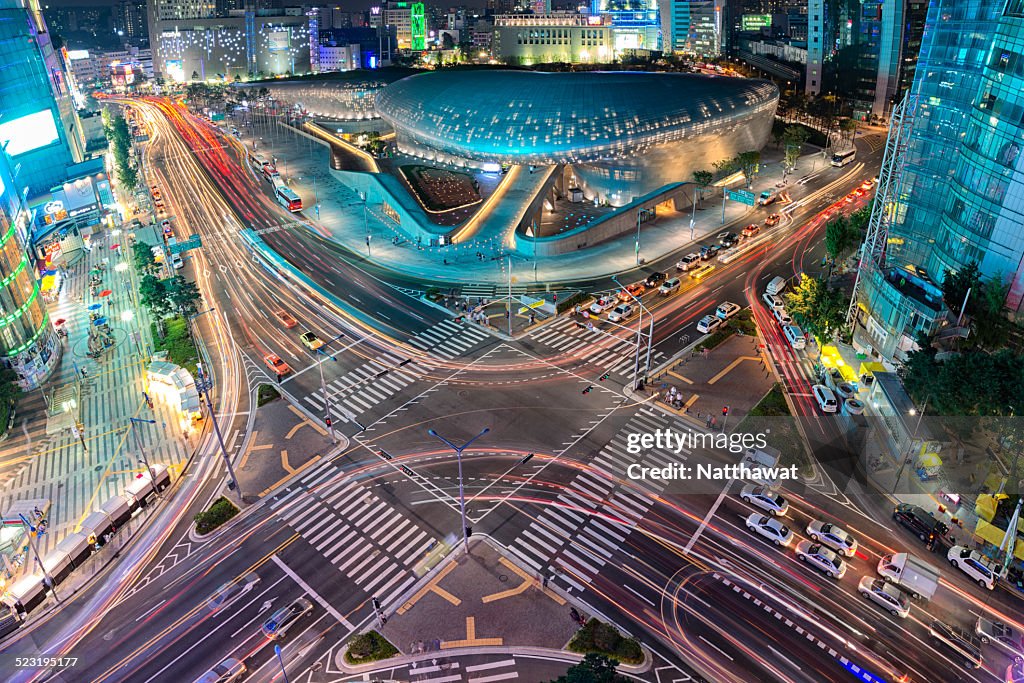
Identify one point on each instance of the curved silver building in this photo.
(625, 133)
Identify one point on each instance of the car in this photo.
(232, 589)
(729, 240)
(771, 528)
(867, 184)
(825, 398)
(166, 225)
(709, 324)
(632, 291)
(669, 286)
(275, 363)
(228, 671)
(708, 252)
(602, 304)
(795, 336)
(832, 536)
(885, 595)
(727, 309)
(773, 301)
(283, 619)
(751, 230)
(655, 279)
(1006, 638)
(620, 313)
(687, 262)
(765, 498)
(860, 192)
(960, 642)
(772, 220)
(286, 319)
(312, 341)
(924, 525)
(850, 197)
(782, 315)
(702, 271)
(821, 558)
(972, 563)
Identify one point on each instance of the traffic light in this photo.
(587, 390)
(581, 324)
(605, 376)
(327, 421)
(469, 531)
(526, 459)
(385, 455)
(725, 411)
(376, 603)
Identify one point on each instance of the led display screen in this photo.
(29, 132)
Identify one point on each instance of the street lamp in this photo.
(138, 444)
(204, 384)
(639, 334)
(280, 660)
(462, 490)
(323, 385)
(127, 316)
(906, 459)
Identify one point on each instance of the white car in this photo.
(602, 304)
(885, 595)
(727, 309)
(771, 528)
(832, 536)
(782, 315)
(620, 313)
(228, 671)
(1003, 636)
(669, 286)
(688, 262)
(766, 499)
(709, 324)
(825, 398)
(774, 302)
(972, 563)
(795, 336)
(821, 558)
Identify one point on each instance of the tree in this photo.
(142, 255)
(841, 237)
(725, 166)
(991, 326)
(818, 308)
(593, 669)
(849, 129)
(183, 295)
(703, 179)
(9, 388)
(748, 163)
(154, 295)
(956, 285)
(794, 137)
(778, 135)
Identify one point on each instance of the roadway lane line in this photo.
(707, 518)
(712, 645)
(316, 596)
(146, 613)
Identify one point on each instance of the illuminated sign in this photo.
(756, 22)
(78, 54)
(278, 41)
(594, 20)
(29, 132)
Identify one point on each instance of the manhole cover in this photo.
(503, 577)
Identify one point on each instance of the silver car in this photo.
(832, 536)
(1006, 638)
(283, 619)
(766, 499)
(821, 558)
(885, 595)
(228, 671)
(771, 528)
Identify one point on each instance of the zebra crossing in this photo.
(618, 358)
(363, 536)
(492, 291)
(579, 533)
(449, 339)
(366, 386)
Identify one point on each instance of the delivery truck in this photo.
(912, 575)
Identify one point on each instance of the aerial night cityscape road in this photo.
(535, 343)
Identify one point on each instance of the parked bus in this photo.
(270, 173)
(287, 198)
(844, 158)
(256, 161)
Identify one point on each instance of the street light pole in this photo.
(639, 334)
(280, 660)
(35, 551)
(913, 438)
(462, 490)
(138, 444)
(204, 386)
(638, 236)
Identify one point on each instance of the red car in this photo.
(636, 290)
(772, 220)
(751, 230)
(275, 363)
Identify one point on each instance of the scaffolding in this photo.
(887, 197)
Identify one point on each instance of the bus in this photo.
(256, 161)
(270, 173)
(287, 198)
(844, 158)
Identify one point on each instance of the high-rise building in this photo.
(162, 11)
(692, 27)
(409, 22)
(132, 22)
(557, 37)
(817, 38)
(951, 175)
(888, 39)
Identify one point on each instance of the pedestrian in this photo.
(84, 373)
(708, 421)
(445, 261)
(714, 423)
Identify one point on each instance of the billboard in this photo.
(29, 132)
(278, 41)
(755, 22)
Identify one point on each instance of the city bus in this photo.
(270, 173)
(844, 158)
(287, 198)
(256, 161)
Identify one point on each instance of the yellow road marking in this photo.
(521, 588)
(732, 365)
(678, 376)
(432, 587)
(286, 477)
(471, 639)
(305, 420)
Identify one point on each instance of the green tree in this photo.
(703, 179)
(841, 237)
(818, 308)
(990, 325)
(848, 127)
(142, 256)
(955, 286)
(9, 388)
(778, 135)
(183, 296)
(154, 295)
(725, 166)
(794, 137)
(748, 163)
(593, 669)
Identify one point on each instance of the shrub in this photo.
(265, 394)
(180, 348)
(566, 304)
(604, 639)
(369, 647)
(221, 511)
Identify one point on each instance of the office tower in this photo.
(951, 171)
(691, 26)
(409, 22)
(132, 22)
(888, 40)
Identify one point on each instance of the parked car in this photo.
(751, 230)
(795, 336)
(709, 324)
(1006, 638)
(832, 536)
(602, 304)
(771, 528)
(277, 365)
(825, 398)
(924, 525)
(283, 619)
(765, 498)
(620, 313)
(773, 301)
(885, 595)
(654, 279)
(669, 286)
(782, 315)
(312, 341)
(821, 558)
(727, 309)
(286, 319)
(687, 262)
(772, 220)
(972, 563)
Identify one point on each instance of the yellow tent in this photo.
(831, 358)
(994, 535)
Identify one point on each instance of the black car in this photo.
(654, 279)
(707, 253)
(922, 523)
(958, 641)
(729, 239)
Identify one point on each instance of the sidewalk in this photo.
(305, 166)
(73, 477)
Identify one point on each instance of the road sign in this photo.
(742, 196)
(193, 242)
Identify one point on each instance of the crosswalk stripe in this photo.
(404, 523)
(381, 528)
(409, 555)
(416, 342)
(369, 572)
(397, 577)
(538, 540)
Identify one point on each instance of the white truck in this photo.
(912, 575)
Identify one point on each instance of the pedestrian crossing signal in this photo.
(327, 420)
(469, 531)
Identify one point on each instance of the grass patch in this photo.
(772, 417)
(266, 393)
(221, 511)
(604, 639)
(369, 647)
(180, 348)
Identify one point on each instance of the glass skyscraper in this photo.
(953, 199)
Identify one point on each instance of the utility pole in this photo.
(204, 385)
(462, 490)
(138, 444)
(31, 531)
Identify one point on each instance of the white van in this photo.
(825, 398)
(776, 285)
(795, 336)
